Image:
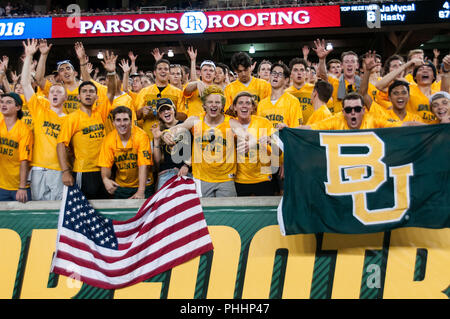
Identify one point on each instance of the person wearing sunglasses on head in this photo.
(192, 92)
(440, 106)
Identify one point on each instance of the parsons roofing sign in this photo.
(199, 22)
(191, 22)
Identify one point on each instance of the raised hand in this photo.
(192, 53)
(44, 48)
(320, 48)
(109, 61)
(126, 68)
(30, 46)
(79, 50)
(158, 55)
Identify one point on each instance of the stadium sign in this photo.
(198, 22)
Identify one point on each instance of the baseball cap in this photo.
(164, 102)
(15, 96)
(439, 95)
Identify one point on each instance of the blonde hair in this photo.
(213, 89)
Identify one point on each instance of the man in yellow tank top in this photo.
(213, 147)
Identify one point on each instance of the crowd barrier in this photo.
(250, 260)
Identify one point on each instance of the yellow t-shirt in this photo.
(86, 134)
(419, 104)
(47, 125)
(127, 158)
(338, 122)
(149, 96)
(286, 110)
(435, 86)
(320, 114)
(192, 104)
(213, 152)
(254, 166)
(382, 99)
(26, 118)
(260, 89)
(15, 146)
(304, 97)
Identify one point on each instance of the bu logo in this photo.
(355, 167)
(193, 22)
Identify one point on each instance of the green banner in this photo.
(366, 181)
(250, 260)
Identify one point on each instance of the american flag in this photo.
(169, 229)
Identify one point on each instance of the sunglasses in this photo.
(349, 109)
(63, 62)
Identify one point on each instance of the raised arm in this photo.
(109, 63)
(384, 82)
(322, 53)
(193, 57)
(126, 74)
(369, 63)
(30, 48)
(84, 60)
(44, 49)
(445, 78)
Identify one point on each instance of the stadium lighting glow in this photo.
(329, 46)
(252, 49)
(170, 53)
(100, 55)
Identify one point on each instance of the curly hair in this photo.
(213, 89)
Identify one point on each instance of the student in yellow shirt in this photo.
(84, 130)
(354, 117)
(66, 74)
(320, 96)
(193, 90)
(254, 174)
(348, 82)
(280, 106)
(213, 147)
(147, 98)
(16, 141)
(440, 106)
(128, 148)
(48, 115)
(300, 87)
(242, 65)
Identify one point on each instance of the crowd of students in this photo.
(124, 134)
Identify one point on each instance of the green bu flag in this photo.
(365, 181)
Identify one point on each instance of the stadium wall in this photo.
(250, 260)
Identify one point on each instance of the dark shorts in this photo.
(91, 184)
(10, 196)
(127, 192)
(256, 189)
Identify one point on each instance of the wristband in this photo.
(84, 64)
(111, 73)
(23, 188)
(67, 169)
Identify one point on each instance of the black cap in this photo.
(15, 96)
(164, 102)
